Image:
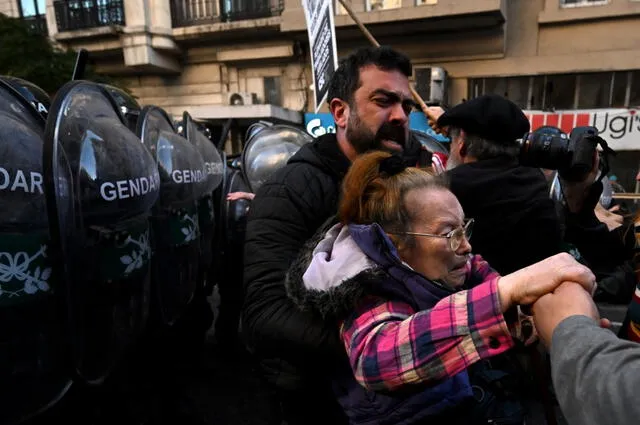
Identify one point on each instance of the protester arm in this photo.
(595, 374)
(391, 346)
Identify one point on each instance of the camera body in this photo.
(550, 148)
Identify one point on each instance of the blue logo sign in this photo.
(322, 123)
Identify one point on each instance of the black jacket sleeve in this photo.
(285, 213)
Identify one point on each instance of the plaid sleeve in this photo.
(390, 345)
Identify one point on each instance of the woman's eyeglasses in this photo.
(456, 236)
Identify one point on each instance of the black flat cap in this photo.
(491, 117)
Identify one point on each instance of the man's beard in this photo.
(363, 140)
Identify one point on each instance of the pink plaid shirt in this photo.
(391, 345)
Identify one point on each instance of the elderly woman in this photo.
(417, 313)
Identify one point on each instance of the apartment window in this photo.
(373, 5)
(618, 89)
(560, 91)
(536, 95)
(272, 92)
(580, 3)
(33, 13)
(594, 90)
(423, 2)
(423, 82)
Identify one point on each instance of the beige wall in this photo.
(210, 84)
(564, 43)
(9, 8)
(539, 37)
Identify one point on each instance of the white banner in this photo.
(619, 127)
(322, 42)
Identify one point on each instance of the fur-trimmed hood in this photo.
(332, 273)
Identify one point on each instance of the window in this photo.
(580, 3)
(373, 5)
(272, 92)
(423, 82)
(33, 13)
(559, 91)
(619, 90)
(594, 90)
(30, 8)
(423, 2)
(536, 97)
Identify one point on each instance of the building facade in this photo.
(543, 54)
(205, 55)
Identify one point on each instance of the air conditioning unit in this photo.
(431, 84)
(242, 98)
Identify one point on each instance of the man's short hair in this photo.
(346, 79)
(480, 148)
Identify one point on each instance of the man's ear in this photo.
(462, 144)
(340, 111)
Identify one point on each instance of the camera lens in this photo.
(544, 151)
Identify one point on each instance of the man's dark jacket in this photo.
(516, 223)
(287, 210)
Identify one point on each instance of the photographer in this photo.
(516, 221)
(604, 244)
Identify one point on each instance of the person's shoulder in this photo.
(295, 179)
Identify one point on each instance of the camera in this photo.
(548, 147)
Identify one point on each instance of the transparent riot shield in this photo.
(268, 148)
(429, 143)
(33, 348)
(213, 170)
(175, 216)
(100, 184)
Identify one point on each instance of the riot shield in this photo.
(213, 170)
(175, 215)
(100, 185)
(429, 143)
(33, 355)
(268, 148)
(127, 105)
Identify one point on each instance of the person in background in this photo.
(516, 221)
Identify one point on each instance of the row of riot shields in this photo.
(112, 222)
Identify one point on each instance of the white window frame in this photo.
(429, 2)
(369, 9)
(583, 3)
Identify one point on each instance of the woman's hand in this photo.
(234, 196)
(526, 285)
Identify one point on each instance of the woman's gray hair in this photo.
(480, 148)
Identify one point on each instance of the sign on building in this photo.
(322, 40)
(619, 127)
(322, 123)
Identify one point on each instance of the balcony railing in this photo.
(195, 12)
(185, 13)
(37, 23)
(237, 10)
(83, 14)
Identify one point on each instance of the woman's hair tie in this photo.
(392, 165)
